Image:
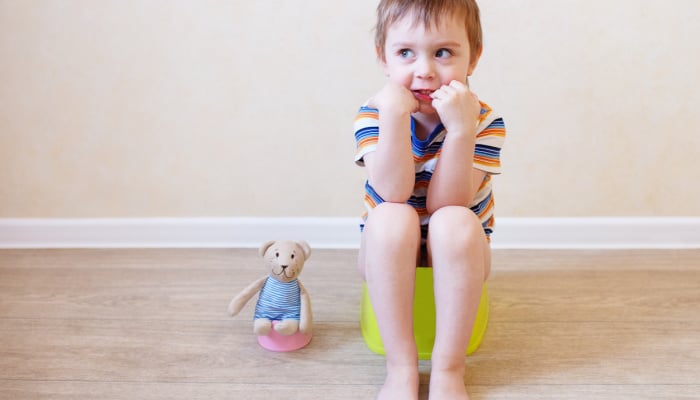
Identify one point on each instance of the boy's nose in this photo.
(425, 69)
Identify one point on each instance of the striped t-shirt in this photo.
(278, 301)
(489, 140)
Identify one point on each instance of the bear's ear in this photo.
(306, 248)
(264, 247)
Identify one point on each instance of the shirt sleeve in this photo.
(366, 133)
(489, 141)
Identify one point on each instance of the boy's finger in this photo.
(458, 85)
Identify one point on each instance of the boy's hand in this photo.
(457, 106)
(394, 98)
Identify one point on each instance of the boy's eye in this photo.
(406, 53)
(443, 53)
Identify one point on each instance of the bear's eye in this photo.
(277, 255)
(292, 256)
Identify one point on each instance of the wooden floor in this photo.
(152, 324)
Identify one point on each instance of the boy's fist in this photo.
(394, 98)
(457, 106)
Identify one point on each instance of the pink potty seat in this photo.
(274, 341)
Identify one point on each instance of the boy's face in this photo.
(422, 59)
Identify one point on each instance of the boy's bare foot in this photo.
(401, 383)
(447, 385)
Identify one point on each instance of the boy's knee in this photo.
(457, 231)
(455, 222)
(388, 221)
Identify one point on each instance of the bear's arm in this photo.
(305, 316)
(242, 298)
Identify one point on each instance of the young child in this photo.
(429, 147)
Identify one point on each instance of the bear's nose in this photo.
(284, 266)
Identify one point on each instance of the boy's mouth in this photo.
(423, 95)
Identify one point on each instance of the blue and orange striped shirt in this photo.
(487, 157)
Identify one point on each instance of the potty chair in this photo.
(423, 318)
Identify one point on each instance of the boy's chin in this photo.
(426, 108)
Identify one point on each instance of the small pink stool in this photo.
(273, 341)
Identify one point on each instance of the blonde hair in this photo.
(429, 12)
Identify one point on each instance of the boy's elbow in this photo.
(400, 194)
(396, 197)
(434, 201)
(394, 193)
(432, 205)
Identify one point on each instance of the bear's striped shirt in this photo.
(278, 301)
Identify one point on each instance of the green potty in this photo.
(423, 318)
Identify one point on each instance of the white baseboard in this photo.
(598, 233)
(176, 232)
(340, 233)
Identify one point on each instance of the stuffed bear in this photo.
(282, 298)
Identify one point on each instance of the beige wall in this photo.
(139, 108)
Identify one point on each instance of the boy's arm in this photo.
(455, 181)
(390, 167)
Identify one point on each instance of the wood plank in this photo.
(209, 351)
(573, 392)
(180, 391)
(580, 353)
(151, 323)
(596, 259)
(148, 284)
(174, 351)
(595, 295)
(193, 391)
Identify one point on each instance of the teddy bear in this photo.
(282, 298)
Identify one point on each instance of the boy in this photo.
(429, 147)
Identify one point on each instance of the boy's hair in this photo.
(429, 12)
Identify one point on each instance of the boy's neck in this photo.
(424, 124)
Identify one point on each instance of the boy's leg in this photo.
(390, 242)
(460, 258)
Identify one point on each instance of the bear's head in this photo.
(285, 259)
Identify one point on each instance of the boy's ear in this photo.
(378, 50)
(382, 59)
(474, 62)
